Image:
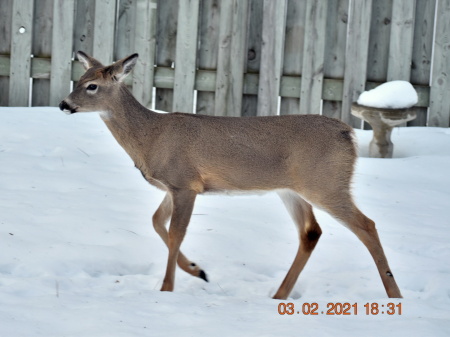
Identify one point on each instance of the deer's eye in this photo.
(92, 87)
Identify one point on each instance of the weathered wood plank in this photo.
(336, 39)
(293, 52)
(210, 18)
(423, 41)
(439, 114)
(42, 47)
(83, 35)
(254, 43)
(205, 80)
(274, 22)
(104, 23)
(21, 35)
(166, 37)
(401, 40)
(356, 57)
(63, 15)
(5, 66)
(185, 59)
(5, 49)
(231, 58)
(145, 45)
(421, 54)
(380, 30)
(126, 26)
(313, 59)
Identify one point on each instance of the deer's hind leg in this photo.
(365, 230)
(309, 233)
(160, 219)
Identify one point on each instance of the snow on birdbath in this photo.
(388, 105)
(390, 95)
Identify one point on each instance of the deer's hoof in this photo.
(203, 276)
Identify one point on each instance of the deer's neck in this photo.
(130, 123)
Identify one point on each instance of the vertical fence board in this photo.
(356, 57)
(126, 27)
(293, 50)
(274, 22)
(401, 40)
(104, 23)
(231, 58)
(380, 30)
(144, 44)
(61, 69)
(83, 37)
(421, 54)
(336, 39)
(21, 35)
(210, 17)
(42, 48)
(313, 59)
(5, 46)
(440, 86)
(254, 43)
(185, 58)
(166, 37)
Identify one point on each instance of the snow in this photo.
(79, 256)
(390, 95)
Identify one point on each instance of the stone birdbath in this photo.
(385, 107)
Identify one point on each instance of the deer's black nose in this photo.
(64, 106)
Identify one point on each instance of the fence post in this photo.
(41, 47)
(313, 58)
(253, 58)
(210, 17)
(104, 23)
(336, 39)
(166, 36)
(144, 44)
(185, 59)
(61, 68)
(231, 58)
(5, 47)
(293, 52)
(401, 40)
(440, 86)
(421, 54)
(356, 57)
(274, 22)
(21, 35)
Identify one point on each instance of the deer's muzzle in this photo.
(66, 108)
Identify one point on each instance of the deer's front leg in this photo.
(182, 206)
(160, 218)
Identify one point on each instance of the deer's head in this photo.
(99, 86)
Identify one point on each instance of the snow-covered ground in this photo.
(79, 257)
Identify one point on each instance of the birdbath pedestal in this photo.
(382, 122)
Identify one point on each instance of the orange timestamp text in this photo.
(336, 309)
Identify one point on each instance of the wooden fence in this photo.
(233, 57)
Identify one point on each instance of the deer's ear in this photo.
(88, 61)
(122, 68)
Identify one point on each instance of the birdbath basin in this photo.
(382, 122)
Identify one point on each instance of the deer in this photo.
(308, 160)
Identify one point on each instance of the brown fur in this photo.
(309, 159)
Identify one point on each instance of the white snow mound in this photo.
(390, 95)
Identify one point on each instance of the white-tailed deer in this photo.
(308, 159)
